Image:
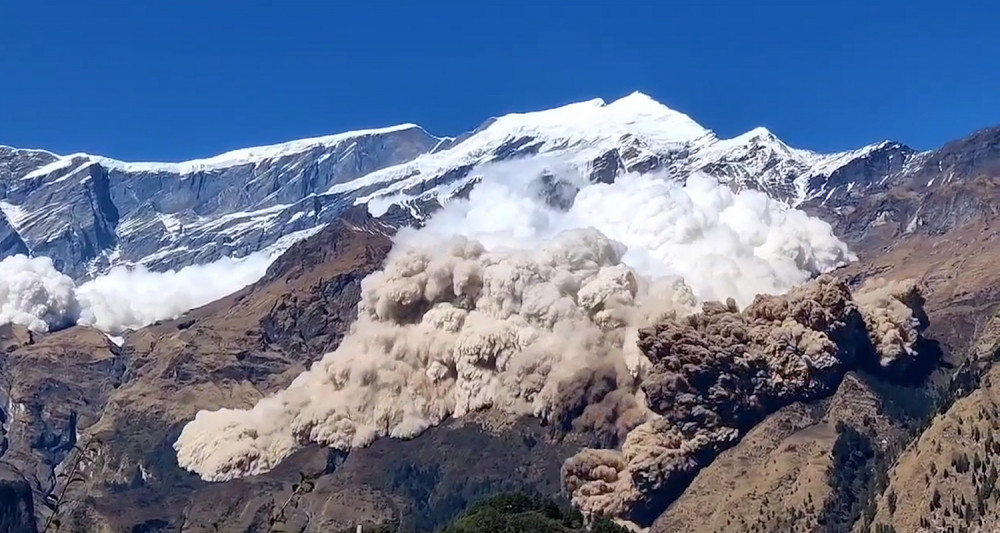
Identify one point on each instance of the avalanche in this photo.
(505, 301)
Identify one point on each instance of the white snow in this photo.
(284, 243)
(637, 126)
(59, 164)
(239, 222)
(595, 120)
(162, 254)
(914, 223)
(28, 150)
(587, 128)
(171, 223)
(233, 158)
(15, 214)
(828, 164)
(245, 156)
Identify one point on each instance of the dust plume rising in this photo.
(715, 374)
(450, 329)
(523, 298)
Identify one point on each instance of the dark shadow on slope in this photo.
(852, 477)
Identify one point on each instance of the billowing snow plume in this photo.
(723, 244)
(127, 298)
(532, 310)
(34, 294)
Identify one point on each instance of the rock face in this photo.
(715, 375)
(807, 467)
(878, 457)
(10, 240)
(931, 193)
(51, 388)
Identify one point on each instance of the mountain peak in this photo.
(639, 106)
(639, 97)
(759, 131)
(275, 188)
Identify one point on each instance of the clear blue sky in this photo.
(177, 79)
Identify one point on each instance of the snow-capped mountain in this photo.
(89, 212)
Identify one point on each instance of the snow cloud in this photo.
(129, 298)
(723, 244)
(34, 294)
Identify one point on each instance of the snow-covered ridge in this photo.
(4, 147)
(587, 128)
(636, 128)
(91, 212)
(635, 114)
(241, 156)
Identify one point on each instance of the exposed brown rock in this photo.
(717, 373)
(51, 387)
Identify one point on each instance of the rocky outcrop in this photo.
(929, 193)
(15, 162)
(10, 240)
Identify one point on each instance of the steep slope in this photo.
(89, 212)
(15, 162)
(10, 240)
(51, 387)
(946, 480)
(808, 467)
(883, 461)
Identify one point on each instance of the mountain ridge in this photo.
(171, 215)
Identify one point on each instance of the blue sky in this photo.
(178, 79)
